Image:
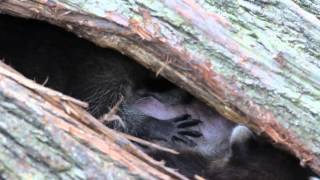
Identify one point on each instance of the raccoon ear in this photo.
(241, 139)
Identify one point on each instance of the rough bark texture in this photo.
(256, 62)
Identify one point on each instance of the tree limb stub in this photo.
(256, 62)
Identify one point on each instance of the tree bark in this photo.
(256, 62)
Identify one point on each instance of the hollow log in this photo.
(256, 62)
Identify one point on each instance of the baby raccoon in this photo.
(225, 151)
(248, 158)
(101, 77)
(151, 108)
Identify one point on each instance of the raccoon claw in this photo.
(176, 130)
(186, 121)
(181, 118)
(190, 133)
(182, 132)
(189, 123)
(184, 140)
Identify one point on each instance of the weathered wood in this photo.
(256, 62)
(45, 135)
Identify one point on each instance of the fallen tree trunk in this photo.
(256, 62)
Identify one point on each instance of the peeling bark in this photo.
(256, 62)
